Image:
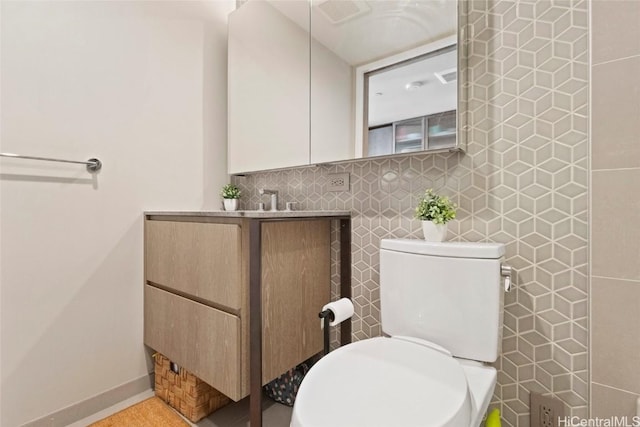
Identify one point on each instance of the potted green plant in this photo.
(435, 212)
(230, 194)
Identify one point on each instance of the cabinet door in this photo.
(204, 340)
(268, 84)
(201, 260)
(409, 135)
(441, 130)
(296, 277)
(380, 141)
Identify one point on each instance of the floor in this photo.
(233, 415)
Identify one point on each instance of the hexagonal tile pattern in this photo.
(523, 182)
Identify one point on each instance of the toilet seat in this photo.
(384, 382)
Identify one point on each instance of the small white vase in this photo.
(434, 232)
(230, 204)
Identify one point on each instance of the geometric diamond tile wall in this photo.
(522, 182)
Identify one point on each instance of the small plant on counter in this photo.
(230, 191)
(435, 208)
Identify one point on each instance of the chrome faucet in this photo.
(274, 198)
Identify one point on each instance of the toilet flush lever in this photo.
(507, 273)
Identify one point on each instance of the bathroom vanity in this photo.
(234, 297)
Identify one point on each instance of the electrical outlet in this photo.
(545, 410)
(338, 181)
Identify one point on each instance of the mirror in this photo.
(411, 104)
(392, 53)
(382, 79)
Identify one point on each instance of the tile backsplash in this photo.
(523, 182)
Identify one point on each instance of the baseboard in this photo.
(94, 404)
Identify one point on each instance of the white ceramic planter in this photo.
(434, 232)
(230, 204)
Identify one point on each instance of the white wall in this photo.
(142, 86)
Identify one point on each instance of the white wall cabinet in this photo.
(268, 99)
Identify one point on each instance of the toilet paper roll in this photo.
(342, 310)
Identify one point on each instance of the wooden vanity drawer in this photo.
(204, 340)
(202, 260)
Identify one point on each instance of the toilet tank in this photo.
(448, 293)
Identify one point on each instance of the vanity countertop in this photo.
(253, 214)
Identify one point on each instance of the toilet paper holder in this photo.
(327, 316)
(333, 314)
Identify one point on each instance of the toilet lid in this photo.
(384, 382)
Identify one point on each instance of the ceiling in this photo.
(390, 101)
(372, 30)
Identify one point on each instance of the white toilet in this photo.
(442, 309)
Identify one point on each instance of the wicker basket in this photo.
(185, 392)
